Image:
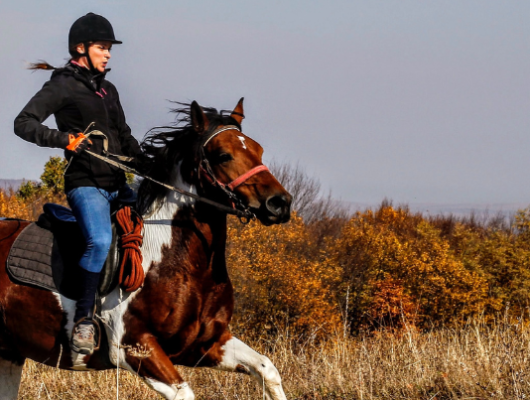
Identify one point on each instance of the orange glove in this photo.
(78, 143)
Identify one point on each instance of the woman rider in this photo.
(78, 95)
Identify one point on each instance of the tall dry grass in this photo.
(476, 361)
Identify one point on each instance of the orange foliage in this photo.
(385, 267)
(277, 276)
(391, 306)
(14, 206)
(392, 244)
(27, 202)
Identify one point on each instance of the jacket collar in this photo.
(83, 74)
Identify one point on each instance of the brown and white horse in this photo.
(180, 315)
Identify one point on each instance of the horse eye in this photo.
(221, 158)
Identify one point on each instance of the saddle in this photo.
(46, 254)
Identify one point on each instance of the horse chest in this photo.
(168, 304)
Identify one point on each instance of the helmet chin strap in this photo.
(89, 60)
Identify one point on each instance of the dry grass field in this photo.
(473, 362)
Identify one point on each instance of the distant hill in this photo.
(458, 210)
(484, 210)
(10, 183)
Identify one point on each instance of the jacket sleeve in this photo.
(28, 124)
(129, 144)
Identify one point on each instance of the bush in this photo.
(279, 278)
(27, 201)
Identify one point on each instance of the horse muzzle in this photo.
(275, 210)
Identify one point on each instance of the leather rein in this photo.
(238, 208)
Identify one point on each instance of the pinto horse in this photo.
(181, 313)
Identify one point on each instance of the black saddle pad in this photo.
(46, 254)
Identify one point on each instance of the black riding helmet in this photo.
(90, 28)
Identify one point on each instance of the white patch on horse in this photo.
(242, 138)
(241, 358)
(180, 391)
(68, 307)
(157, 224)
(10, 375)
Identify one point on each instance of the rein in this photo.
(238, 208)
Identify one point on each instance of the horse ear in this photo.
(198, 118)
(238, 113)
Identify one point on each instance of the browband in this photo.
(215, 133)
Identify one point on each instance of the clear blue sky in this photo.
(419, 101)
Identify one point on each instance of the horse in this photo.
(181, 313)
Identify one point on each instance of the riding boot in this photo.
(83, 335)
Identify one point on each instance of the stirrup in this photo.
(97, 330)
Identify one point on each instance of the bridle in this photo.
(227, 188)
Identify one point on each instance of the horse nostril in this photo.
(278, 204)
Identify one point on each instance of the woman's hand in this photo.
(78, 143)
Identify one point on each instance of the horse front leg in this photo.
(239, 357)
(10, 375)
(157, 370)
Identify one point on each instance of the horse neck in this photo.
(172, 226)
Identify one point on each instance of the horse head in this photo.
(231, 162)
(208, 151)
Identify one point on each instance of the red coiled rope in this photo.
(131, 271)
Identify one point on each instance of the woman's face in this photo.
(99, 54)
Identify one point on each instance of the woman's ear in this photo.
(80, 48)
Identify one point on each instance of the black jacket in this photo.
(77, 97)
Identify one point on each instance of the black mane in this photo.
(165, 146)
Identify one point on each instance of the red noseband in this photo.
(247, 175)
(239, 180)
(236, 182)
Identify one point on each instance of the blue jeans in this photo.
(91, 207)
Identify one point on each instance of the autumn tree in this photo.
(308, 199)
(53, 176)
